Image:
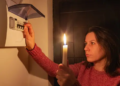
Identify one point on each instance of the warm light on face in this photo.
(64, 38)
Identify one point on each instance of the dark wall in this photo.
(74, 17)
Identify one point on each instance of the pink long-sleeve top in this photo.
(85, 76)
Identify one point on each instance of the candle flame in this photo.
(64, 38)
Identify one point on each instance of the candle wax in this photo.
(64, 59)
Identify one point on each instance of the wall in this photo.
(17, 68)
(43, 28)
(74, 17)
(14, 66)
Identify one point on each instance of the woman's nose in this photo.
(86, 48)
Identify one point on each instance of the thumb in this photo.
(63, 67)
(26, 33)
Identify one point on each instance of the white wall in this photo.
(14, 66)
(12, 70)
(17, 68)
(43, 28)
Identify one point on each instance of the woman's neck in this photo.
(99, 65)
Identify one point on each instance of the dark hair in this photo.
(110, 42)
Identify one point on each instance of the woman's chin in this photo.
(90, 60)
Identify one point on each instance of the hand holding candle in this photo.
(65, 49)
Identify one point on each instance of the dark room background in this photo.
(74, 17)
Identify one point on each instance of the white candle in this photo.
(65, 49)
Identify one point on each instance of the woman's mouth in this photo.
(88, 55)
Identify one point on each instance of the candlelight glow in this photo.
(64, 38)
(65, 49)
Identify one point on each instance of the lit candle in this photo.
(65, 48)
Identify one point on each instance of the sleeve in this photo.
(77, 83)
(76, 68)
(118, 84)
(49, 66)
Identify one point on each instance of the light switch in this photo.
(12, 22)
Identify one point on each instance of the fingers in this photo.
(61, 72)
(63, 67)
(59, 77)
(60, 80)
(25, 32)
(65, 76)
(29, 29)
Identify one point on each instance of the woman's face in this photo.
(93, 51)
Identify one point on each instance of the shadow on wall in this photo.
(32, 67)
(23, 56)
(36, 70)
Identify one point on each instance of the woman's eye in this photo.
(92, 43)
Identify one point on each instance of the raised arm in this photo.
(49, 66)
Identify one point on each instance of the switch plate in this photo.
(16, 24)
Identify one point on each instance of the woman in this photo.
(102, 67)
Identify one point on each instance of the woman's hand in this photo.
(65, 76)
(28, 34)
